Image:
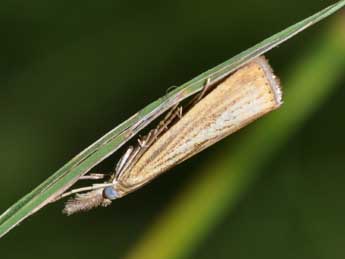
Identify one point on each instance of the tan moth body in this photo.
(247, 94)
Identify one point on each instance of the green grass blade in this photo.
(206, 200)
(104, 147)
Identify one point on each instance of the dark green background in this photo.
(72, 70)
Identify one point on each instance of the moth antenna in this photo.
(85, 201)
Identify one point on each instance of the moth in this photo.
(219, 110)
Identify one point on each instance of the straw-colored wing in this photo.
(246, 95)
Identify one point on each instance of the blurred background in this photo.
(70, 71)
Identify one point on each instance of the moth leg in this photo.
(200, 95)
(167, 119)
(127, 160)
(177, 110)
(122, 161)
(163, 125)
(83, 189)
(179, 113)
(93, 177)
(142, 141)
(174, 112)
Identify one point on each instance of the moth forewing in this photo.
(246, 95)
